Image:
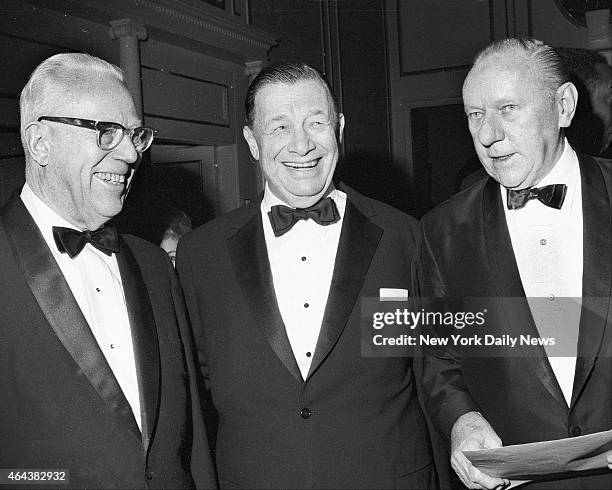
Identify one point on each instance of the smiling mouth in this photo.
(501, 158)
(302, 165)
(111, 178)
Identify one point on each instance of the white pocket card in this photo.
(393, 294)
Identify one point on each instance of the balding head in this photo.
(538, 59)
(60, 81)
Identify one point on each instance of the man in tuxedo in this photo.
(534, 239)
(274, 294)
(96, 369)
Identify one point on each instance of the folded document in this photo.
(527, 461)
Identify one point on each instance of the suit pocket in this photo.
(421, 479)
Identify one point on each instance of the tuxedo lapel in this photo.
(59, 306)
(509, 288)
(359, 239)
(249, 255)
(144, 339)
(597, 269)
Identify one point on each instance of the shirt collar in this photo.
(270, 199)
(44, 217)
(566, 171)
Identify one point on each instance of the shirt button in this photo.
(575, 430)
(543, 241)
(308, 354)
(306, 305)
(551, 297)
(305, 413)
(149, 474)
(303, 259)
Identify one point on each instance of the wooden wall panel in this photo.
(430, 46)
(200, 101)
(175, 59)
(208, 123)
(191, 97)
(298, 23)
(58, 30)
(437, 35)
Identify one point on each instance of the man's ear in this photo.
(38, 142)
(567, 98)
(340, 127)
(251, 141)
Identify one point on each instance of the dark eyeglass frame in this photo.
(100, 127)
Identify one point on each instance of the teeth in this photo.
(111, 178)
(309, 164)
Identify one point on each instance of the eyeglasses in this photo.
(110, 134)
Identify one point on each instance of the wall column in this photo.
(130, 33)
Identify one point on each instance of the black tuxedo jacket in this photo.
(61, 404)
(466, 252)
(354, 422)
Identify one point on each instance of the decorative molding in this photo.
(188, 23)
(252, 69)
(199, 21)
(127, 28)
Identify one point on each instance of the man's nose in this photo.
(301, 142)
(490, 131)
(126, 150)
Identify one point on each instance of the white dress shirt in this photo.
(95, 282)
(302, 263)
(547, 245)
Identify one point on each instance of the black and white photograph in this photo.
(306, 244)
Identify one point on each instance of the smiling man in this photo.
(273, 291)
(98, 388)
(539, 227)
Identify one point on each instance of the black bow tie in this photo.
(283, 218)
(72, 241)
(551, 195)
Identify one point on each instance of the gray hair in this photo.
(551, 70)
(57, 78)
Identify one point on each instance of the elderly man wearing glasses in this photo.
(96, 368)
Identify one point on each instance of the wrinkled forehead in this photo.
(102, 99)
(280, 97)
(503, 73)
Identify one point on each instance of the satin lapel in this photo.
(144, 339)
(249, 255)
(359, 239)
(59, 306)
(509, 288)
(597, 270)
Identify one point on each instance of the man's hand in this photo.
(472, 432)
